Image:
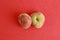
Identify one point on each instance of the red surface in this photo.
(10, 28)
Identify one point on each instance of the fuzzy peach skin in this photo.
(25, 20)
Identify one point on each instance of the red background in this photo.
(10, 28)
